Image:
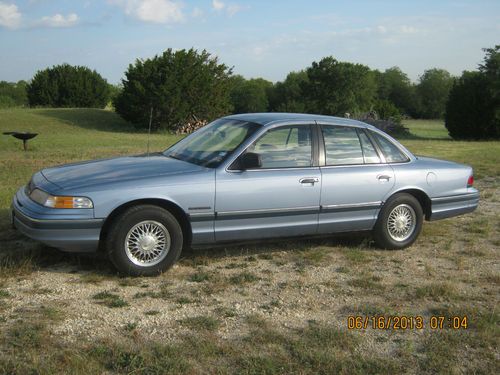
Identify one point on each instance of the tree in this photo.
(288, 96)
(68, 86)
(176, 86)
(13, 94)
(433, 89)
(491, 69)
(396, 87)
(335, 88)
(249, 95)
(472, 110)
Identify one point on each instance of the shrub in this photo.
(470, 110)
(386, 110)
(473, 107)
(68, 86)
(177, 86)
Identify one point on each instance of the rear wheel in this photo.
(399, 222)
(145, 240)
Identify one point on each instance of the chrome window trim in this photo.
(353, 165)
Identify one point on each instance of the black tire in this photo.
(133, 217)
(381, 232)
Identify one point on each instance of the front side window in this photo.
(391, 152)
(342, 146)
(285, 147)
(212, 144)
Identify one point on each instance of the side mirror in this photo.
(250, 160)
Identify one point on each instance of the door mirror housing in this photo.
(250, 160)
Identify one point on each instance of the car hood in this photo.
(97, 172)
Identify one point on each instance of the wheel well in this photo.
(175, 210)
(423, 199)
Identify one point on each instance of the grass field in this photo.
(271, 308)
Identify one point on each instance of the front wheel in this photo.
(399, 222)
(144, 241)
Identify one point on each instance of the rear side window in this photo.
(391, 151)
(342, 146)
(369, 153)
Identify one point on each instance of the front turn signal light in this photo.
(52, 201)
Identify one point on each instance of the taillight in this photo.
(470, 181)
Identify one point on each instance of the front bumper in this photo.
(73, 230)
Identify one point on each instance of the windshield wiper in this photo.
(175, 157)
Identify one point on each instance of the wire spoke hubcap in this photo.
(147, 243)
(402, 222)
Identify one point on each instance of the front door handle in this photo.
(383, 177)
(309, 180)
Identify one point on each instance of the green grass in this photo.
(429, 129)
(484, 157)
(109, 299)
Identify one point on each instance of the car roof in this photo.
(268, 118)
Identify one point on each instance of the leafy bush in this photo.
(68, 86)
(473, 107)
(13, 94)
(470, 109)
(386, 110)
(177, 86)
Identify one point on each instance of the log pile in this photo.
(190, 126)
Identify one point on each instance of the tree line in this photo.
(177, 86)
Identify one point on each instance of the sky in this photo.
(258, 38)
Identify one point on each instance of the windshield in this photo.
(212, 144)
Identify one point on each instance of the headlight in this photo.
(52, 201)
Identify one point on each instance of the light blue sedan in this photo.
(243, 177)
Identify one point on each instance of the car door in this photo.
(355, 180)
(279, 198)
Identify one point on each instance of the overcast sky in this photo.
(259, 38)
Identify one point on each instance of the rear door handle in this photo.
(309, 180)
(383, 177)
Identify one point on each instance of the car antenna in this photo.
(149, 128)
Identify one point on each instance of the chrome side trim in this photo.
(455, 198)
(351, 207)
(248, 214)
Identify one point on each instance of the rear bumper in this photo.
(444, 207)
(66, 233)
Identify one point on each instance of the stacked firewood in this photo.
(390, 126)
(190, 125)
